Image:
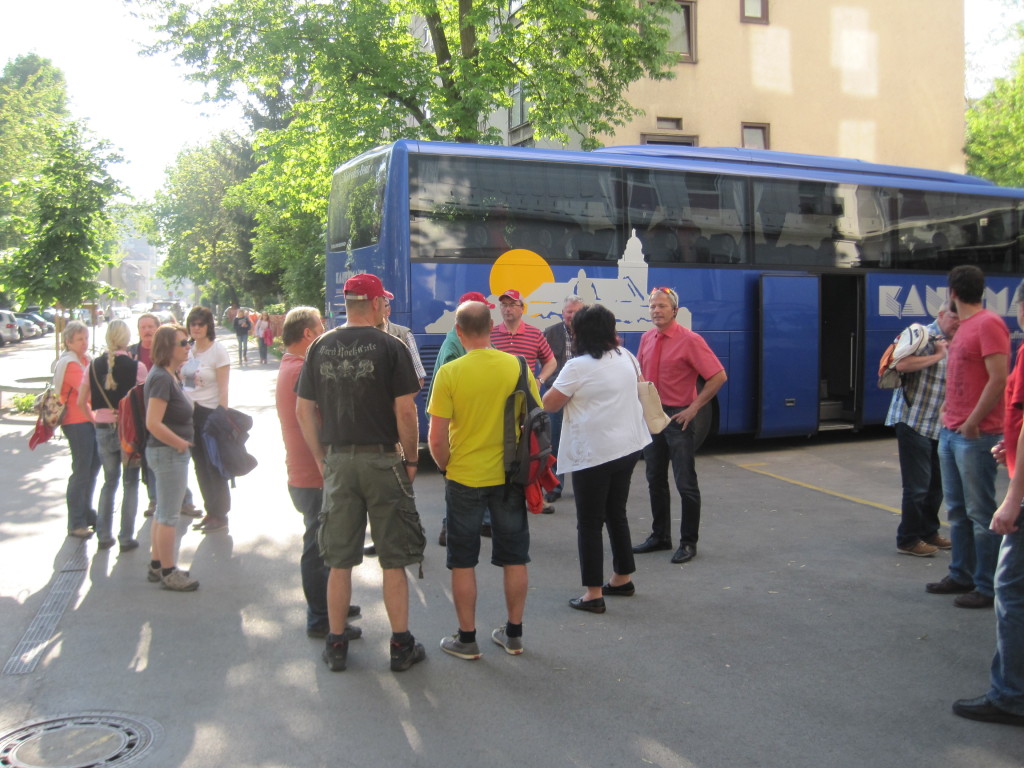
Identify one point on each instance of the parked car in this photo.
(167, 311)
(122, 313)
(26, 328)
(44, 325)
(8, 327)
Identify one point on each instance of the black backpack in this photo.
(527, 433)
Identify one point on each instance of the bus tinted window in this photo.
(688, 218)
(797, 222)
(478, 208)
(357, 203)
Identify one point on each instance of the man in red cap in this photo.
(516, 337)
(452, 349)
(355, 403)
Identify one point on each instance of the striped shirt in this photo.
(925, 389)
(526, 341)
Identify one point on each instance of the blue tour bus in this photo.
(797, 269)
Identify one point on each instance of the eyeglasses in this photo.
(184, 342)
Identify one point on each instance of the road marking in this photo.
(819, 489)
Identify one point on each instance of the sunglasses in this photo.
(185, 343)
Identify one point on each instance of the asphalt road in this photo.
(797, 637)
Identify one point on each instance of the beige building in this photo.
(876, 80)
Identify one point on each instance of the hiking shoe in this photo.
(940, 541)
(404, 656)
(948, 586)
(453, 646)
(154, 575)
(974, 599)
(920, 549)
(179, 581)
(512, 645)
(335, 654)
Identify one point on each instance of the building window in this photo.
(669, 123)
(754, 11)
(682, 29)
(685, 140)
(755, 136)
(518, 113)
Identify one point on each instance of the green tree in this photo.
(200, 219)
(71, 233)
(995, 131)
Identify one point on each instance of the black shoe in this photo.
(984, 710)
(485, 531)
(336, 653)
(442, 538)
(320, 631)
(548, 510)
(652, 544)
(552, 496)
(370, 550)
(974, 599)
(594, 606)
(948, 586)
(404, 656)
(623, 590)
(684, 554)
(354, 611)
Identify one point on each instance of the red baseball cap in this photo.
(475, 296)
(365, 286)
(513, 294)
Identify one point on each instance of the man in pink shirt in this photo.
(305, 483)
(673, 357)
(972, 424)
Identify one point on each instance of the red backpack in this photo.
(131, 427)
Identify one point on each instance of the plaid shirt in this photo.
(925, 391)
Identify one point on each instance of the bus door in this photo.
(790, 307)
(842, 334)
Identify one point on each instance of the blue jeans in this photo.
(676, 446)
(1008, 665)
(922, 486)
(243, 347)
(309, 501)
(969, 485)
(170, 469)
(109, 445)
(85, 468)
(510, 530)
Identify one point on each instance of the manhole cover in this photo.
(87, 740)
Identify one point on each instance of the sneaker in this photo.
(179, 581)
(335, 655)
(940, 541)
(948, 586)
(920, 549)
(453, 646)
(404, 656)
(512, 645)
(154, 575)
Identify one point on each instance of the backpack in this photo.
(527, 434)
(224, 436)
(131, 427)
(911, 341)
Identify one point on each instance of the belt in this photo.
(367, 448)
(105, 425)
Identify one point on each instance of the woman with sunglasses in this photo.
(205, 378)
(169, 421)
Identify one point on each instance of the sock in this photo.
(166, 571)
(154, 564)
(401, 638)
(513, 630)
(467, 637)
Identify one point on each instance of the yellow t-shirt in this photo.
(471, 392)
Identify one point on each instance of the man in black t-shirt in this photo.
(355, 407)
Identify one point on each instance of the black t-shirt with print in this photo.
(354, 375)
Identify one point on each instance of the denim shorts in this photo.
(170, 468)
(510, 531)
(374, 487)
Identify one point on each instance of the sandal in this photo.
(211, 524)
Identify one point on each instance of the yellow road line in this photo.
(819, 489)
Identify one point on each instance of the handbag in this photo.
(650, 401)
(50, 408)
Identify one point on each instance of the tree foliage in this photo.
(995, 131)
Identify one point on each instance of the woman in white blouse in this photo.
(603, 432)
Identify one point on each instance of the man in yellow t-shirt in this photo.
(467, 419)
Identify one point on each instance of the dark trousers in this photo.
(674, 446)
(213, 487)
(922, 486)
(601, 495)
(314, 573)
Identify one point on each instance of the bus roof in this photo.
(732, 161)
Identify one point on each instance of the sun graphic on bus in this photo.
(523, 270)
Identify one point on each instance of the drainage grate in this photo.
(86, 740)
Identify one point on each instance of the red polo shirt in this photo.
(673, 360)
(527, 341)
